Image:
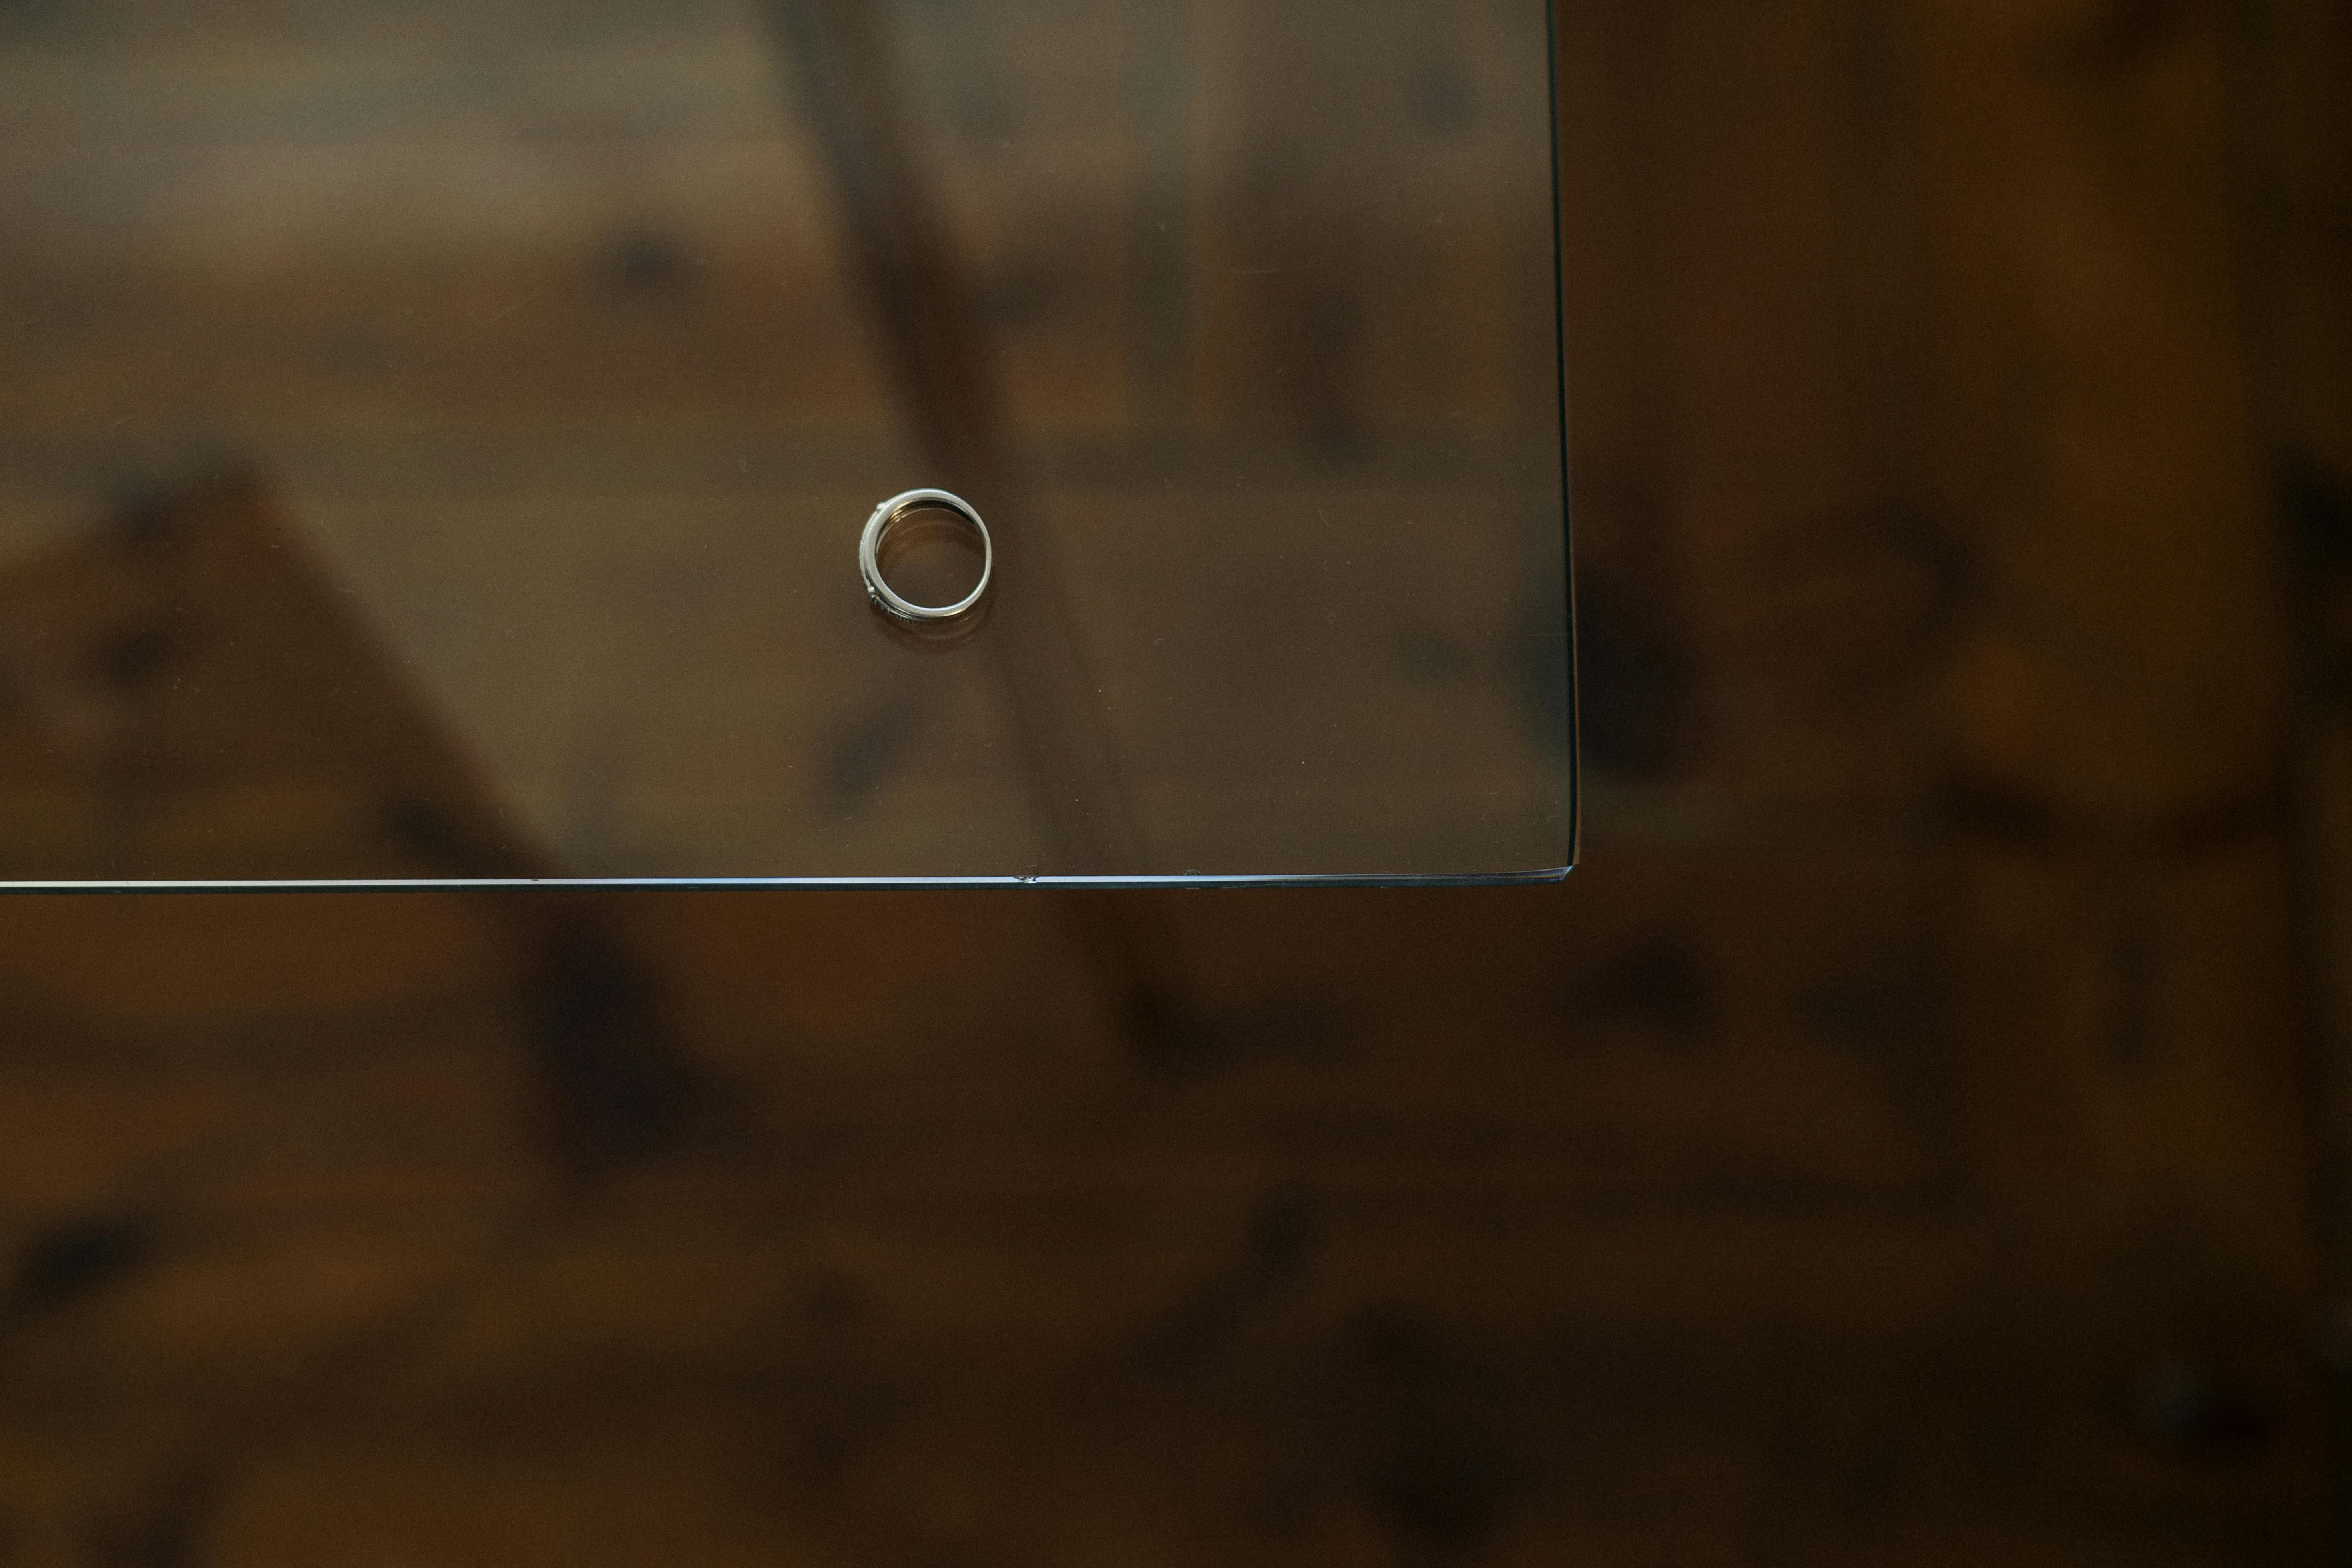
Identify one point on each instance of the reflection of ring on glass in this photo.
(922, 521)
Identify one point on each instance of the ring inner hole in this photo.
(930, 556)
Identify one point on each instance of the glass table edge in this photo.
(1539, 877)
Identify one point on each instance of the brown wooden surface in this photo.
(1900, 1143)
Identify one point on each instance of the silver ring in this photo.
(869, 556)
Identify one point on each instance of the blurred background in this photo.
(1918, 1134)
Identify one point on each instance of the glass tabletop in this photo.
(435, 441)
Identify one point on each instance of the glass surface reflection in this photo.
(435, 440)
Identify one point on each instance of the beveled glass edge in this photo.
(1567, 444)
(1544, 878)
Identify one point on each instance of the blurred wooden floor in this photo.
(1911, 1138)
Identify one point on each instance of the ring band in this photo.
(869, 556)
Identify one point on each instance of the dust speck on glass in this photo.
(443, 443)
